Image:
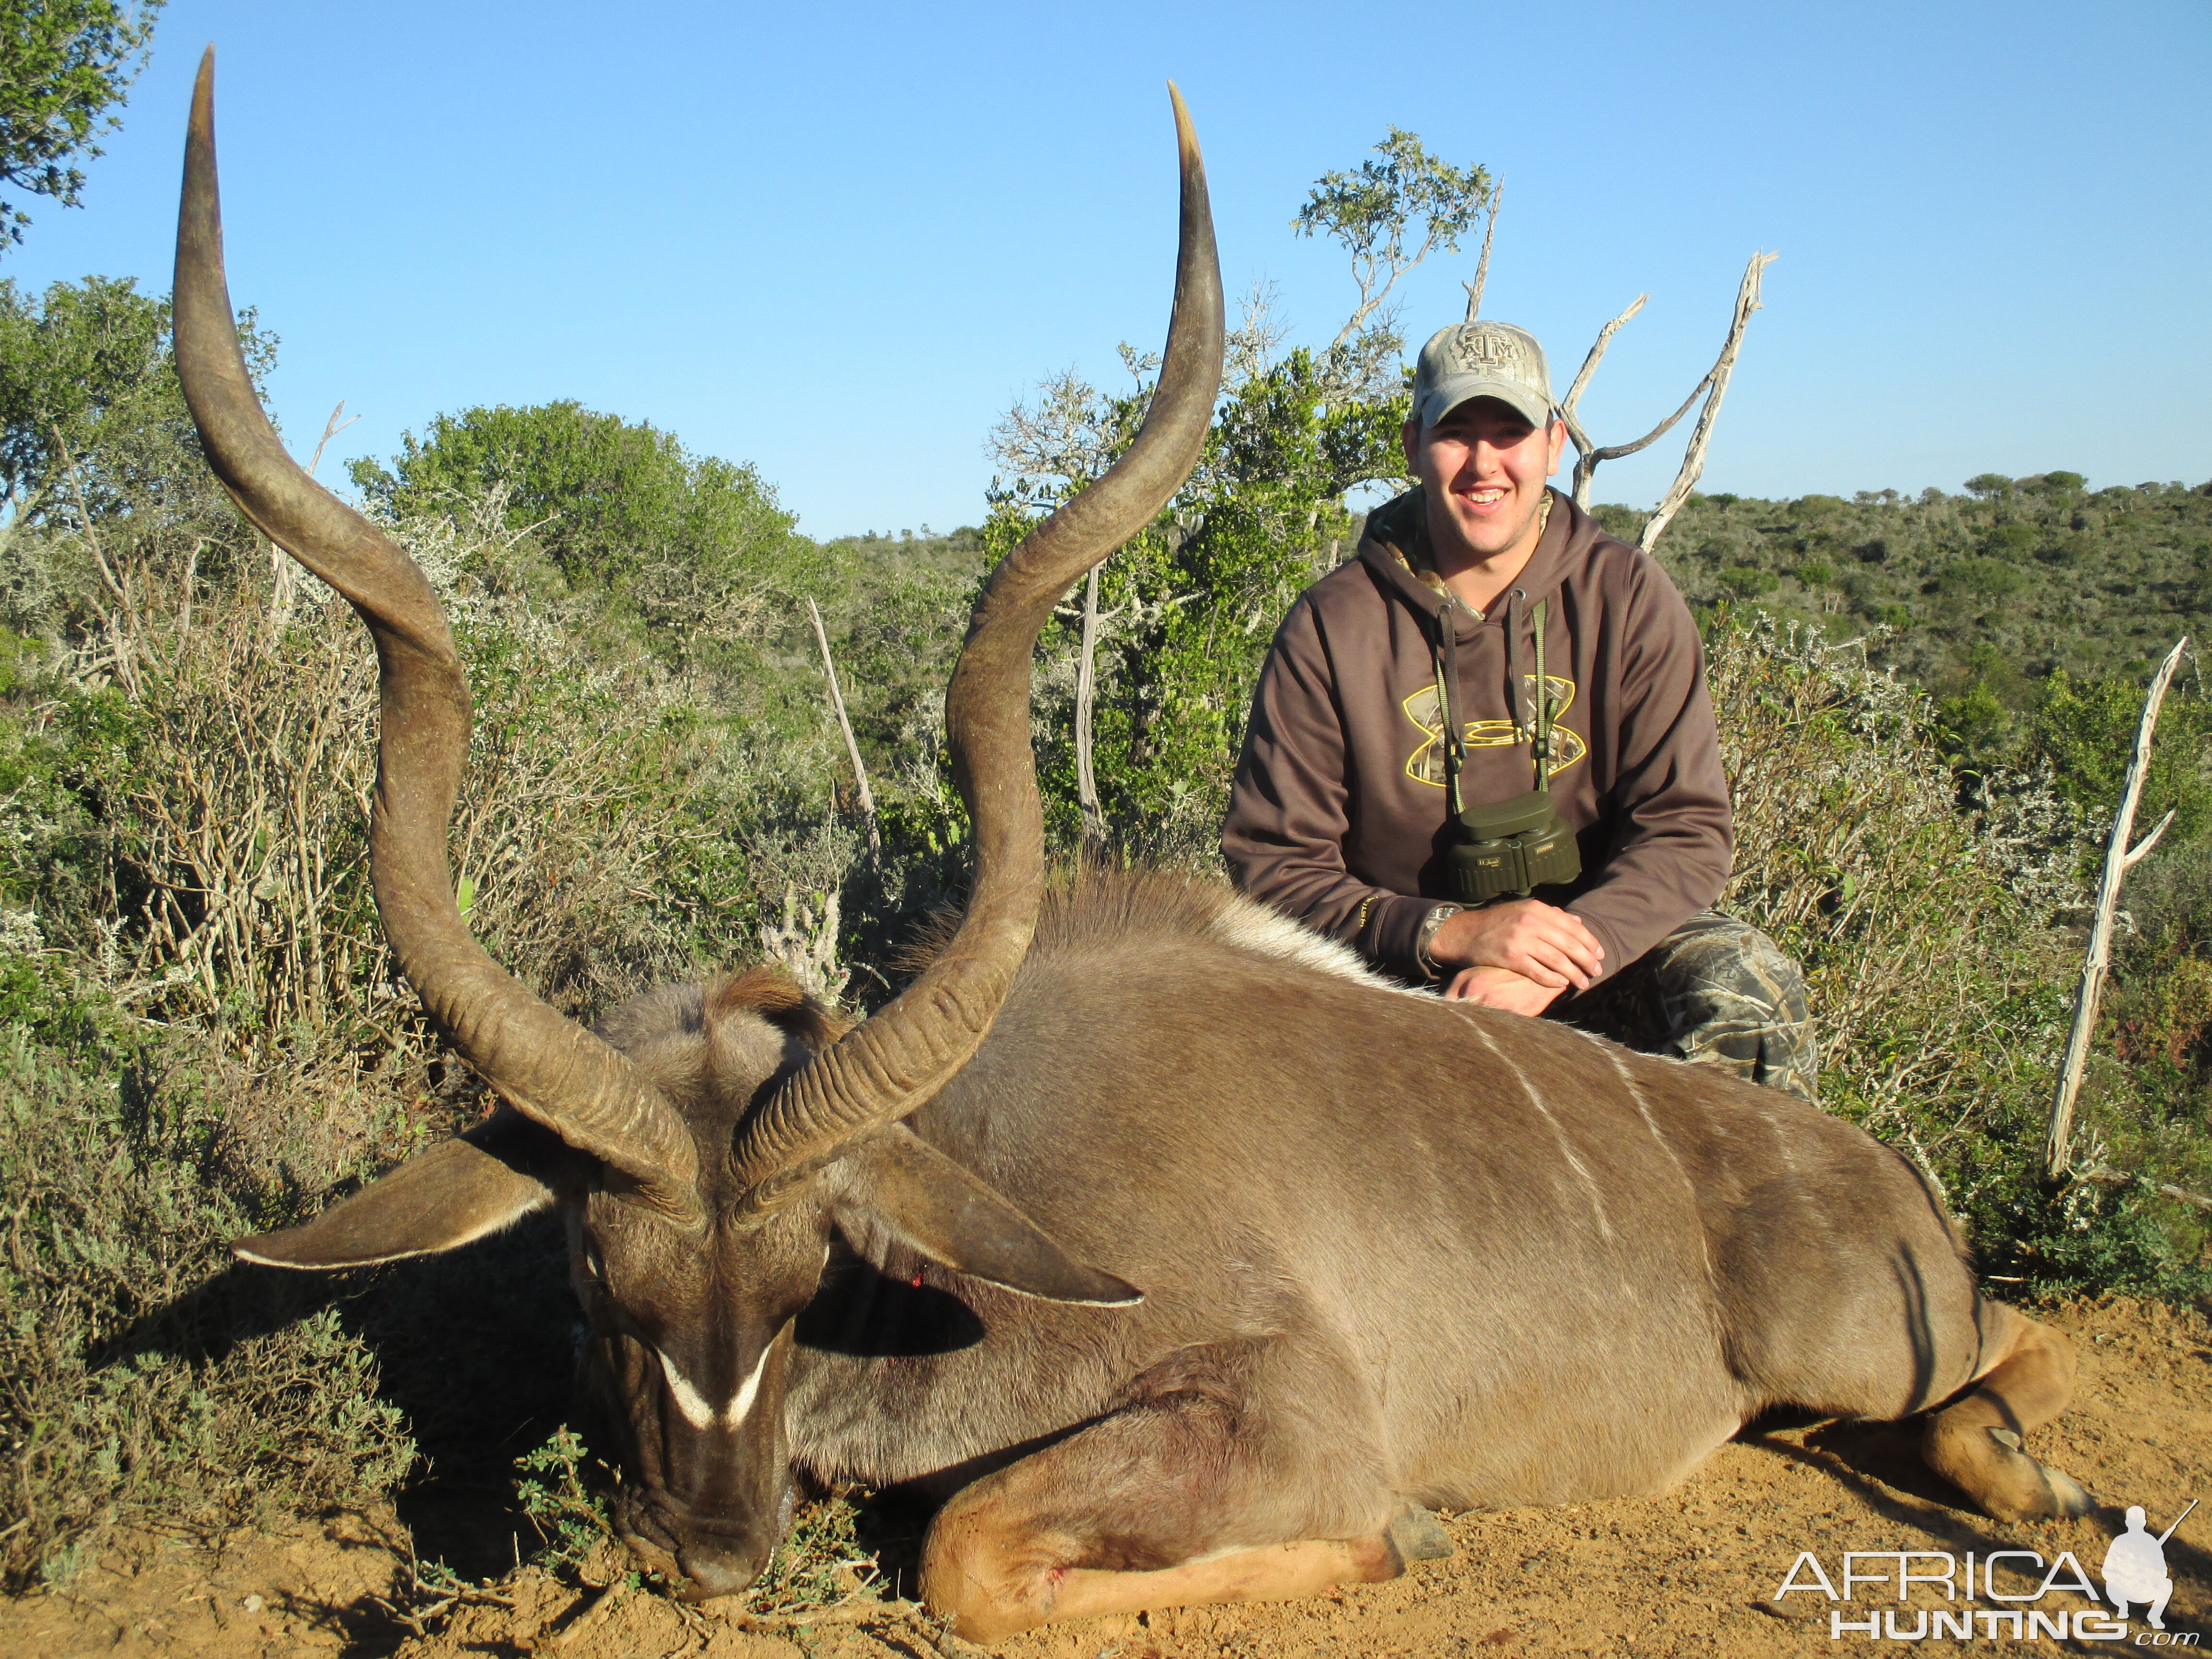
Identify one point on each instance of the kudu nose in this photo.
(718, 1566)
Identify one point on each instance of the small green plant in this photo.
(570, 1515)
(428, 1595)
(820, 1563)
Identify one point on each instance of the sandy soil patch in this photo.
(1692, 1571)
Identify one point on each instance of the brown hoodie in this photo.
(1339, 812)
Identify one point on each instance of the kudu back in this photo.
(1191, 1260)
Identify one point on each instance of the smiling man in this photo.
(1397, 725)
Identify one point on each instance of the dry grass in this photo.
(1850, 850)
(132, 1386)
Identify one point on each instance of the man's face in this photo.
(1485, 467)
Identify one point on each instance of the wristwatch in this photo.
(1427, 937)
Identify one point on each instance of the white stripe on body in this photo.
(1644, 1110)
(1566, 1146)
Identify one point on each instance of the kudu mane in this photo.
(1124, 908)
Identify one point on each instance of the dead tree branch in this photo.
(1701, 435)
(331, 427)
(283, 571)
(1586, 461)
(107, 578)
(2105, 1176)
(1482, 265)
(1574, 397)
(1713, 387)
(2058, 1144)
(1086, 688)
(852, 744)
(125, 651)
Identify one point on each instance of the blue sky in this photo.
(836, 242)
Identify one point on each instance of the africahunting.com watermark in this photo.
(2133, 1577)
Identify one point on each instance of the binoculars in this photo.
(1513, 846)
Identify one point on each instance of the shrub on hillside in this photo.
(134, 1386)
(1926, 976)
(1940, 991)
(1982, 579)
(692, 543)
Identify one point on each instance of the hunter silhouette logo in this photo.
(2135, 1567)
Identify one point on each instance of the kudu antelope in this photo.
(1194, 1260)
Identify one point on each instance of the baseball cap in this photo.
(1481, 360)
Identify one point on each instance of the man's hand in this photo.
(1500, 987)
(1529, 939)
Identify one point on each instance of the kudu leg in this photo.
(1974, 1442)
(1171, 1504)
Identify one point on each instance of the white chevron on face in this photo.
(693, 1404)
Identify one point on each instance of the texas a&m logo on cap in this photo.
(1482, 348)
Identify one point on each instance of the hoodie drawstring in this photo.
(1538, 731)
(1513, 601)
(1447, 652)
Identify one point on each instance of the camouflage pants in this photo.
(1715, 990)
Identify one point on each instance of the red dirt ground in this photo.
(1692, 1571)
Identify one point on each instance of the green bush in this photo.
(2085, 729)
(1939, 990)
(1982, 579)
(693, 545)
(137, 1381)
(1747, 581)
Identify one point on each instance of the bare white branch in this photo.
(1259, 334)
(2059, 1144)
(1585, 451)
(1482, 265)
(2151, 839)
(1701, 435)
(331, 427)
(852, 744)
(1086, 688)
(1615, 452)
(2105, 1176)
(1596, 352)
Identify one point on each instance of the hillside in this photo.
(1983, 596)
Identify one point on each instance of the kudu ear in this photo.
(459, 1191)
(892, 1182)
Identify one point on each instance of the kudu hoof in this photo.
(2031, 1490)
(1417, 1535)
